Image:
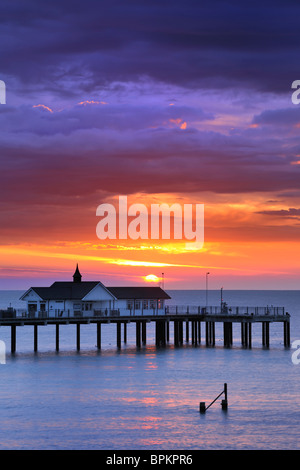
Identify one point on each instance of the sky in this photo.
(164, 102)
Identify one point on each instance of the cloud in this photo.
(89, 90)
(123, 149)
(68, 48)
(291, 213)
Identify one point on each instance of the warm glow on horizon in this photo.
(241, 236)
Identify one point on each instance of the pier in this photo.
(194, 324)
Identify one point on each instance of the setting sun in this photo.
(152, 278)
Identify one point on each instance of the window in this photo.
(138, 305)
(129, 304)
(153, 304)
(145, 304)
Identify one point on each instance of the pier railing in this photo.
(224, 310)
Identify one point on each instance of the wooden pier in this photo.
(184, 324)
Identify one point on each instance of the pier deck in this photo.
(180, 318)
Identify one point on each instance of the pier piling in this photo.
(160, 332)
(35, 347)
(78, 336)
(125, 333)
(13, 338)
(119, 335)
(210, 333)
(144, 332)
(138, 334)
(57, 337)
(266, 333)
(286, 333)
(227, 333)
(98, 335)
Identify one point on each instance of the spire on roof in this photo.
(77, 276)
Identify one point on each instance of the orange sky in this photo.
(243, 248)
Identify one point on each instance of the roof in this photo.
(78, 290)
(66, 290)
(138, 292)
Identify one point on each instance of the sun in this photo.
(151, 278)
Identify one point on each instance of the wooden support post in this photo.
(98, 335)
(144, 332)
(35, 327)
(125, 332)
(207, 333)
(187, 331)
(246, 334)
(157, 338)
(213, 334)
(176, 336)
(180, 332)
(224, 402)
(286, 332)
(161, 332)
(202, 407)
(267, 334)
(138, 333)
(193, 331)
(13, 338)
(78, 336)
(164, 323)
(119, 335)
(57, 336)
(210, 333)
(199, 331)
(225, 334)
(167, 331)
(249, 334)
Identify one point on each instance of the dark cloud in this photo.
(287, 117)
(61, 158)
(128, 149)
(291, 213)
(54, 45)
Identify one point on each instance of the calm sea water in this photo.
(149, 398)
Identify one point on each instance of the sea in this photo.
(148, 398)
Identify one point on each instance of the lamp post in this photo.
(207, 289)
